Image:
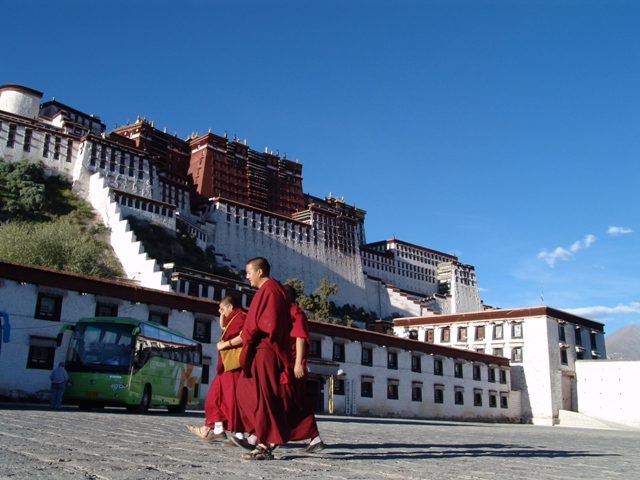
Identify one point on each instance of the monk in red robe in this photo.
(220, 407)
(266, 362)
(302, 420)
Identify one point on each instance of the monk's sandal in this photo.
(259, 453)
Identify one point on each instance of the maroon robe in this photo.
(266, 365)
(302, 420)
(221, 404)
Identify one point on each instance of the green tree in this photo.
(321, 297)
(22, 189)
(317, 304)
(303, 301)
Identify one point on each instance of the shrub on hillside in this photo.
(60, 244)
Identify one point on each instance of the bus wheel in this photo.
(182, 406)
(145, 402)
(84, 406)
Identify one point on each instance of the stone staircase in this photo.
(136, 263)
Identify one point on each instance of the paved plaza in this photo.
(36, 442)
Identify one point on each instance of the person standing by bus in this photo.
(266, 362)
(220, 407)
(58, 379)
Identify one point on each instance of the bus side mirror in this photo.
(62, 330)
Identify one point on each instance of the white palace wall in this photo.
(289, 258)
(609, 390)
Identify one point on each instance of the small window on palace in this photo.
(437, 366)
(338, 352)
(11, 136)
(498, 332)
(498, 351)
(392, 360)
(504, 401)
(416, 363)
(367, 356)
(48, 307)
(491, 375)
(578, 335)
(413, 334)
(564, 358)
(477, 398)
(457, 370)
(366, 389)
(516, 330)
(480, 332)
(159, 317)
(438, 395)
(202, 330)
(429, 336)
(106, 309)
(28, 134)
(462, 334)
(561, 333)
(445, 334)
(338, 387)
(315, 348)
(392, 391)
(459, 397)
(416, 392)
(503, 376)
(493, 400)
(477, 372)
(41, 353)
(516, 354)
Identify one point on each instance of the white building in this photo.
(352, 371)
(384, 375)
(542, 343)
(39, 302)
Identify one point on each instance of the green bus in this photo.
(131, 363)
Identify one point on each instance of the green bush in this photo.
(60, 244)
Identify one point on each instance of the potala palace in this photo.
(449, 357)
(242, 202)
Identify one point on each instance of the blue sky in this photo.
(504, 132)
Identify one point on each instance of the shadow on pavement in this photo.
(411, 451)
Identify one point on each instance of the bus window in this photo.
(100, 345)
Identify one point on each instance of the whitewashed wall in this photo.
(609, 390)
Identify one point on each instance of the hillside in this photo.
(624, 343)
(43, 223)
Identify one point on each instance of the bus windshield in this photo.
(104, 347)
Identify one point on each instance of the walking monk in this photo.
(266, 362)
(220, 407)
(302, 420)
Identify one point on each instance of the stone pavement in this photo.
(36, 442)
